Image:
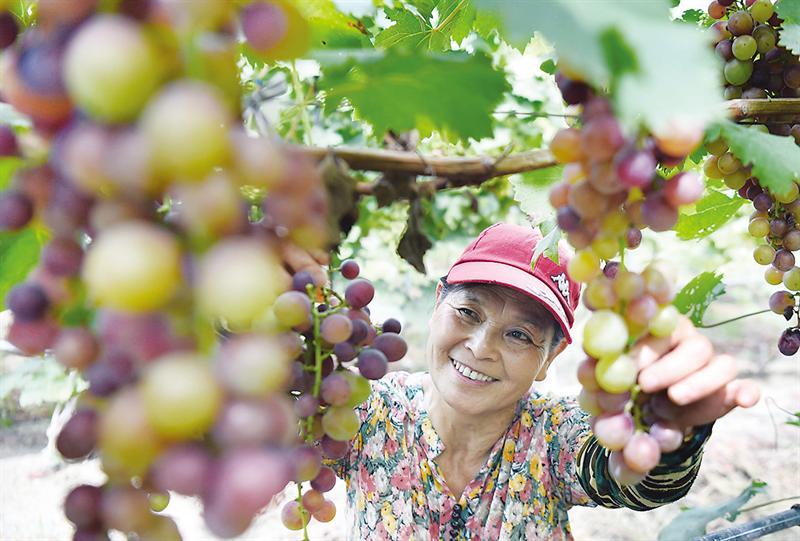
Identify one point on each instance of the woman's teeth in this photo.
(469, 373)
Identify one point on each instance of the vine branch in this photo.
(787, 109)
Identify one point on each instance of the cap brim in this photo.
(506, 275)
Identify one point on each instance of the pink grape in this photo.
(586, 376)
(8, 29)
(636, 168)
(27, 301)
(313, 500)
(306, 405)
(780, 301)
(620, 471)
(16, 210)
(601, 137)
(32, 337)
(293, 516)
(392, 345)
(254, 422)
(360, 331)
(784, 260)
(125, 508)
(359, 293)
(325, 480)
(350, 269)
(332, 448)
(612, 402)
(614, 430)
(264, 25)
(668, 435)
(76, 347)
(335, 389)
(184, 468)
(326, 512)
(345, 351)
(62, 257)
(302, 279)
(336, 328)
(683, 189)
(307, 462)
(658, 214)
(642, 452)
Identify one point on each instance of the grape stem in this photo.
(701, 326)
(768, 503)
(302, 512)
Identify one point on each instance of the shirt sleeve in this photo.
(666, 483)
(375, 406)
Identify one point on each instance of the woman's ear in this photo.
(552, 354)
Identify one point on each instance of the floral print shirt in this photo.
(534, 473)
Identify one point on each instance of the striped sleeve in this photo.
(666, 483)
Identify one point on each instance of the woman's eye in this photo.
(521, 336)
(468, 313)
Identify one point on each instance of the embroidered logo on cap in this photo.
(562, 283)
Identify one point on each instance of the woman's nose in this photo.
(482, 342)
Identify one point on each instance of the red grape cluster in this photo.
(746, 37)
(611, 190)
(212, 372)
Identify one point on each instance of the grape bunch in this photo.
(212, 372)
(745, 37)
(774, 221)
(611, 190)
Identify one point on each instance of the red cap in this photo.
(502, 255)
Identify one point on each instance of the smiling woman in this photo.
(470, 450)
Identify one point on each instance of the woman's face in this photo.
(497, 333)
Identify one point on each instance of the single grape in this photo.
(586, 371)
(778, 227)
(762, 10)
(325, 479)
(16, 210)
(728, 163)
(612, 402)
(641, 310)
(587, 400)
(791, 279)
(33, 337)
(559, 194)
(359, 293)
(183, 468)
(740, 23)
(181, 396)
(568, 220)
(738, 72)
(125, 508)
(599, 294)
(301, 280)
(292, 308)
(345, 351)
(601, 137)
(665, 321)
(158, 501)
(335, 389)
(766, 38)
(773, 276)
(253, 365)
(616, 374)
(340, 423)
(391, 325)
(789, 342)
(683, 189)
(326, 512)
(336, 328)
(245, 422)
(264, 25)
(613, 430)
(784, 260)
(744, 47)
(711, 167)
(667, 434)
(587, 201)
(392, 345)
(642, 452)
(313, 500)
(333, 449)
(658, 214)
(791, 77)
(791, 241)
(307, 462)
(27, 301)
(350, 269)
(360, 388)
(82, 506)
(584, 266)
(566, 147)
(764, 254)
(716, 10)
(621, 472)
(758, 227)
(605, 335)
(633, 237)
(78, 436)
(360, 330)
(372, 363)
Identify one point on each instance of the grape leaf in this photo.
(696, 296)
(712, 212)
(692, 523)
(790, 37)
(548, 66)
(454, 21)
(330, 28)
(775, 159)
(695, 16)
(674, 66)
(401, 91)
(549, 244)
(7, 168)
(788, 10)
(530, 192)
(19, 252)
(795, 421)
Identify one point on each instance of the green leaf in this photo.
(397, 90)
(330, 28)
(548, 66)
(790, 37)
(454, 22)
(693, 522)
(530, 190)
(682, 77)
(775, 159)
(693, 16)
(8, 166)
(19, 252)
(549, 244)
(788, 10)
(696, 296)
(795, 421)
(711, 212)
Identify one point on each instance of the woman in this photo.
(469, 450)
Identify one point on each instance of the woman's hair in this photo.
(447, 288)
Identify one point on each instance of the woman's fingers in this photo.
(298, 259)
(650, 349)
(743, 393)
(690, 355)
(703, 382)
